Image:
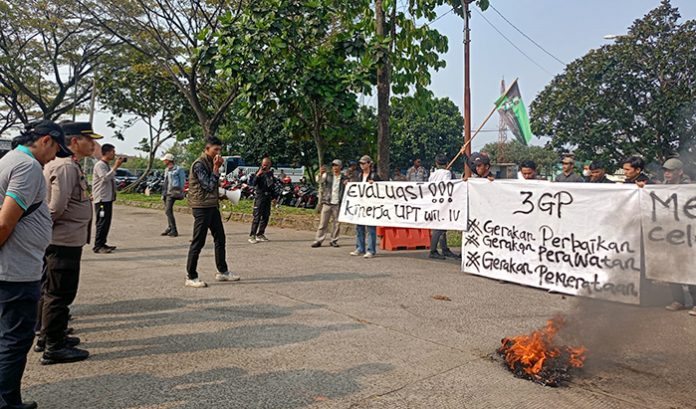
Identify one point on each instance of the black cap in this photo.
(79, 128)
(45, 127)
(479, 159)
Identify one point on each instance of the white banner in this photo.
(669, 228)
(421, 205)
(572, 238)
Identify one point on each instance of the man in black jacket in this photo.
(333, 184)
(598, 173)
(264, 182)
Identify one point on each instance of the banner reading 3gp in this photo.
(436, 205)
(669, 228)
(581, 239)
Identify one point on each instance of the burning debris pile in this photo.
(535, 357)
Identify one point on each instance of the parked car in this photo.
(124, 177)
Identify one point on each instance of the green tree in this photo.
(515, 152)
(404, 53)
(172, 34)
(422, 128)
(48, 55)
(141, 92)
(308, 67)
(637, 96)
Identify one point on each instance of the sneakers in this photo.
(692, 312)
(316, 244)
(63, 355)
(228, 276)
(253, 239)
(436, 255)
(356, 253)
(166, 232)
(110, 248)
(195, 283)
(676, 306)
(450, 254)
(261, 237)
(102, 250)
(173, 233)
(369, 255)
(334, 244)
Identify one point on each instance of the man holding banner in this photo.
(367, 175)
(440, 236)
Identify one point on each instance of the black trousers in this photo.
(262, 212)
(204, 219)
(103, 223)
(58, 291)
(678, 293)
(169, 211)
(438, 236)
(18, 303)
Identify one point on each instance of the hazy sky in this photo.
(565, 28)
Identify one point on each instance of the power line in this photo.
(527, 37)
(513, 44)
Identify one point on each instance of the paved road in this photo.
(320, 329)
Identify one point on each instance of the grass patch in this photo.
(454, 239)
(245, 206)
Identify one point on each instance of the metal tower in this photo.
(502, 130)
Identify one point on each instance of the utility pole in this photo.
(467, 87)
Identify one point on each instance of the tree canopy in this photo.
(637, 96)
(424, 127)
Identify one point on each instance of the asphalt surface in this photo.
(317, 328)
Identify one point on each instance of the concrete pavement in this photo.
(316, 328)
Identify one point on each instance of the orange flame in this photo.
(531, 352)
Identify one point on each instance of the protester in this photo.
(440, 174)
(633, 167)
(104, 194)
(204, 201)
(598, 173)
(333, 185)
(172, 190)
(367, 175)
(417, 173)
(586, 172)
(25, 233)
(480, 165)
(398, 176)
(673, 172)
(528, 169)
(568, 175)
(352, 170)
(264, 182)
(71, 211)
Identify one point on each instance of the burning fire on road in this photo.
(537, 358)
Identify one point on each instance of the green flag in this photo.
(514, 113)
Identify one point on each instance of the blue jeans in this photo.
(18, 306)
(371, 239)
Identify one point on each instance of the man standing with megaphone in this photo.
(204, 202)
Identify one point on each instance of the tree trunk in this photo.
(383, 90)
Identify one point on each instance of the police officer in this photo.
(71, 211)
(25, 232)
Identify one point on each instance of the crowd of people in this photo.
(47, 210)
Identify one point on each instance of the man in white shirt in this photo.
(440, 236)
(104, 195)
